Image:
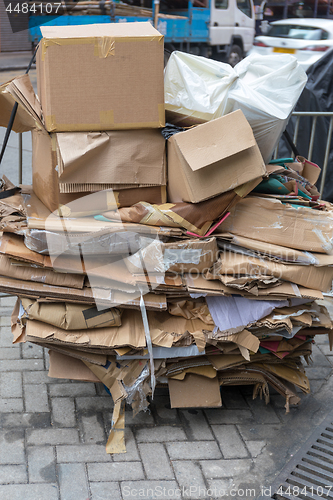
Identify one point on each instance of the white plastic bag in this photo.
(265, 88)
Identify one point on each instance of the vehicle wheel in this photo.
(236, 55)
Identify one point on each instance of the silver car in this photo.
(307, 39)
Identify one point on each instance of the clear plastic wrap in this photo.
(266, 89)
(99, 243)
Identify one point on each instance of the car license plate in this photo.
(283, 50)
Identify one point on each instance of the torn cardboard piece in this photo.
(197, 218)
(235, 264)
(40, 275)
(266, 219)
(104, 297)
(67, 367)
(71, 316)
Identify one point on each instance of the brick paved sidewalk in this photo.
(53, 435)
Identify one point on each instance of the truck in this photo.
(221, 29)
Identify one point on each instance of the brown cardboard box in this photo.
(212, 158)
(269, 220)
(68, 165)
(62, 172)
(101, 77)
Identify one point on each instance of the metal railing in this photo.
(297, 123)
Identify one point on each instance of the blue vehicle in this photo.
(221, 29)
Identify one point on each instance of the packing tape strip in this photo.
(104, 46)
(52, 126)
(149, 344)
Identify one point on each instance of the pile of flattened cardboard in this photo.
(203, 270)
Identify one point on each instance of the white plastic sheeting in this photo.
(265, 88)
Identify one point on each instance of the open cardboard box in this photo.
(213, 158)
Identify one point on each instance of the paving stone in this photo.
(100, 389)
(29, 492)
(97, 403)
(318, 358)
(36, 398)
(24, 420)
(115, 471)
(11, 385)
(325, 349)
(162, 408)
(41, 377)
(12, 447)
(155, 461)
(93, 429)
(263, 413)
(82, 453)
(195, 450)
(105, 491)
(5, 320)
(160, 433)
(73, 482)
(10, 365)
(196, 425)
(141, 418)
(30, 350)
(52, 436)
(74, 389)
(10, 405)
(318, 372)
(219, 488)
(150, 490)
(258, 432)
(190, 479)
(221, 416)
(41, 464)
(131, 454)
(8, 353)
(7, 302)
(230, 442)
(255, 447)
(213, 469)
(63, 412)
(6, 336)
(10, 474)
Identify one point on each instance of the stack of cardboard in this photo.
(126, 287)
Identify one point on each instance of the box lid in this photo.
(215, 140)
(121, 30)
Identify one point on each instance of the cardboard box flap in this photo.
(62, 366)
(195, 391)
(22, 91)
(23, 121)
(137, 156)
(216, 140)
(100, 31)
